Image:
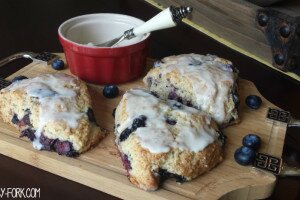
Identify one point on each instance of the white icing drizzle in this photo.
(136, 107)
(36, 143)
(210, 78)
(156, 136)
(52, 94)
(156, 140)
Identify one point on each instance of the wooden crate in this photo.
(234, 24)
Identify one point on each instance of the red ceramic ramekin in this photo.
(102, 65)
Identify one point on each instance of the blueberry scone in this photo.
(207, 83)
(54, 111)
(159, 139)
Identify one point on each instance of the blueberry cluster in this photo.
(174, 96)
(61, 147)
(164, 174)
(29, 133)
(137, 122)
(245, 155)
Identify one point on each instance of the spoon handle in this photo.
(165, 19)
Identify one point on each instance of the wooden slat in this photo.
(101, 167)
(231, 22)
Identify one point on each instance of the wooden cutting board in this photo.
(101, 167)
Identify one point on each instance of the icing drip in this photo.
(57, 102)
(210, 78)
(156, 135)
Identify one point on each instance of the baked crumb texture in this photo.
(207, 83)
(54, 111)
(160, 139)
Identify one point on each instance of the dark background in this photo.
(31, 25)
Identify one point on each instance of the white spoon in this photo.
(167, 18)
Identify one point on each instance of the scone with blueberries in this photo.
(207, 83)
(54, 111)
(160, 139)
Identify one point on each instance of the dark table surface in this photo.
(31, 25)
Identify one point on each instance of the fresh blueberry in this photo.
(164, 174)
(195, 62)
(139, 122)
(15, 119)
(244, 155)
(126, 162)
(157, 63)
(176, 105)
(235, 99)
(58, 64)
(149, 80)
(252, 141)
(222, 137)
(110, 91)
(91, 115)
(154, 94)
(253, 101)
(114, 112)
(172, 95)
(63, 148)
(28, 133)
(125, 134)
(48, 144)
(189, 104)
(18, 78)
(24, 121)
(171, 121)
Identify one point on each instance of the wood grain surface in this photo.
(232, 23)
(101, 167)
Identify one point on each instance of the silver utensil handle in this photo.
(295, 123)
(289, 171)
(46, 57)
(165, 19)
(15, 57)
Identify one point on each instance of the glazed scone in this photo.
(207, 83)
(159, 139)
(54, 111)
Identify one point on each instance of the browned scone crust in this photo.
(208, 83)
(70, 127)
(146, 169)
